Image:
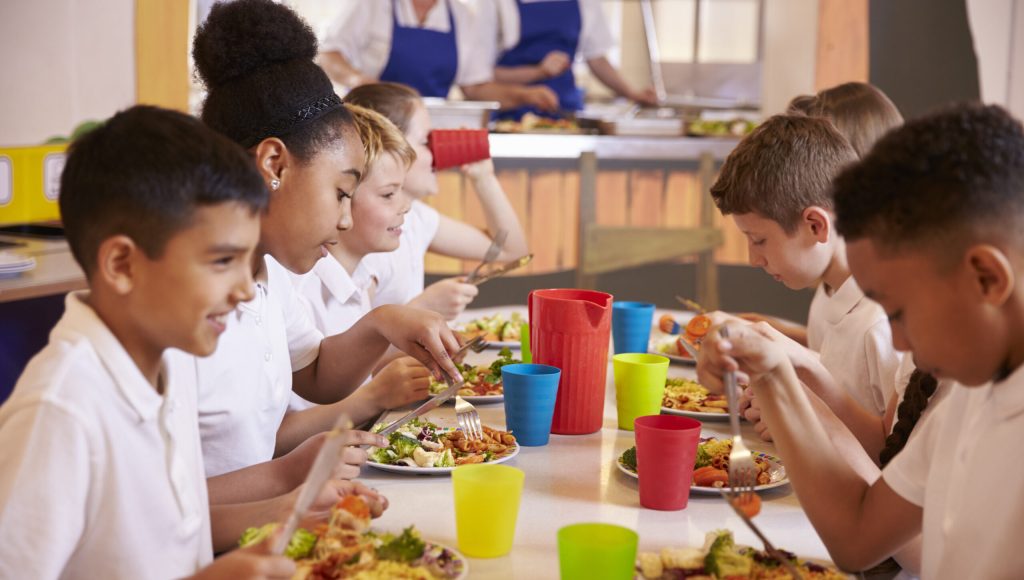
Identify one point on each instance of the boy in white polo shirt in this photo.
(777, 185)
(101, 474)
(932, 217)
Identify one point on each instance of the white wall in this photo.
(998, 30)
(790, 48)
(63, 61)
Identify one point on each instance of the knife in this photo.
(318, 475)
(503, 269)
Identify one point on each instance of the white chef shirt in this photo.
(336, 301)
(363, 37)
(100, 475)
(400, 273)
(851, 333)
(502, 16)
(956, 468)
(245, 385)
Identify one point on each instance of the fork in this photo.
(469, 419)
(497, 244)
(742, 470)
(476, 344)
(732, 497)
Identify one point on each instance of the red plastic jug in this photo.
(570, 329)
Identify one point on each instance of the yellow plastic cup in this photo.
(486, 508)
(596, 552)
(639, 386)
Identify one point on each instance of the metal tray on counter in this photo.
(445, 114)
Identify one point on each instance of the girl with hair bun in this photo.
(266, 93)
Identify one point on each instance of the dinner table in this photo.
(575, 479)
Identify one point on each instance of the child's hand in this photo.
(746, 351)
(332, 492)
(422, 334)
(296, 464)
(252, 563)
(400, 382)
(752, 413)
(448, 297)
(478, 170)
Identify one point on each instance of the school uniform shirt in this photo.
(101, 476)
(364, 37)
(336, 301)
(400, 273)
(851, 334)
(956, 468)
(244, 387)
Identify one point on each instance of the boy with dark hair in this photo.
(101, 474)
(777, 184)
(933, 219)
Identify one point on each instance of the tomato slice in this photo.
(356, 506)
(698, 326)
(748, 503)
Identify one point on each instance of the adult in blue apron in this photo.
(426, 60)
(544, 27)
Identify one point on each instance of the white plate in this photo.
(482, 399)
(432, 470)
(662, 338)
(699, 415)
(13, 264)
(777, 471)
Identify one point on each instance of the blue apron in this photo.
(426, 60)
(544, 27)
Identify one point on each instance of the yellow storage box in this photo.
(30, 183)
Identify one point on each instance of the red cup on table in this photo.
(666, 449)
(455, 147)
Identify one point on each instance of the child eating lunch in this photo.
(932, 217)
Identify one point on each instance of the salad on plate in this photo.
(496, 328)
(481, 382)
(422, 444)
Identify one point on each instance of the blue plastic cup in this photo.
(530, 392)
(631, 326)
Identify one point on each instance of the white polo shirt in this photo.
(101, 476)
(244, 387)
(400, 273)
(363, 37)
(851, 333)
(502, 16)
(959, 467)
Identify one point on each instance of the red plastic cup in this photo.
(666, 449)
(570, 330)
(455, 147)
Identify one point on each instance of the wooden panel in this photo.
(645, 205)
(545, 219)
(516, 182)
(682, 200)
(450, 201)
(161, 54)
(612, 198)
(570, 219)
(614, 248)
(842, 53)
(472, 214)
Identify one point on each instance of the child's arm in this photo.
(252, 563)
(796, 332)
(860, 524)
(283, 474)
(400, 382)
(350, 356)
(461, 240)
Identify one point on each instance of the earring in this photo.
(274, 184)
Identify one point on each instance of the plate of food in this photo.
(711, 469)
(668, 336)
(483, 382)
(424, 448)
(347, 547)
(500, 330)
(691, 399)
(721, 558)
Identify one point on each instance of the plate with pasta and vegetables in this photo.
(482, 382)
(424, 448)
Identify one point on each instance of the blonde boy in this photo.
(933, 217)
(777, 185)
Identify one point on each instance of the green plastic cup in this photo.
(485, 527)
(597, 552)
(524, 342)
(639, 385)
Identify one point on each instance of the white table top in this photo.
(574, 479)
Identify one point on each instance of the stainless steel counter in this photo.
(557, 146)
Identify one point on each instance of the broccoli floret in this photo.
(446, 459)
(629, 458)
(404, 548)
(703, 457)
(504, 358)
(383, 455)
(403, 445)
(252, 536)
(724, 561)
(301, 544)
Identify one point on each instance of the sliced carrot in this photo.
(356, 506)
(749, 504)
(668, 325)
(698, 326)
(709, 476)
(682, 349)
